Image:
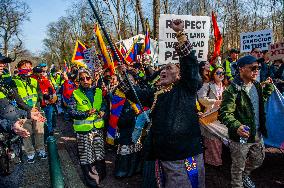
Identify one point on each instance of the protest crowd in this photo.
(158, 119)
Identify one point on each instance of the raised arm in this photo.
(189, 69)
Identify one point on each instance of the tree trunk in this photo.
(5, 47)
(141, 15)
(156, 15)
(118, 19)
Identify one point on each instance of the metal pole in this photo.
(117, 57)
(56, 177)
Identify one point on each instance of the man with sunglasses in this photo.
(242, 107)
(257, 53)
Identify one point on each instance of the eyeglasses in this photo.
(219, 73)
(85, 78)
(254, 68)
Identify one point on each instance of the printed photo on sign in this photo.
(195, 27)
(259, 39)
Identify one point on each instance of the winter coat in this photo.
(175, 129)
(237, 109)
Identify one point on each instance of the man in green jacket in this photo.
(242, 111)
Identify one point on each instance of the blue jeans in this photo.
(48, 110)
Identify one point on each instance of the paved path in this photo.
(269, 175)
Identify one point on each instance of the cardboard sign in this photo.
(195, 27)
(259, 39)
(276, 51)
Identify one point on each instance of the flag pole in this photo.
(117, 57)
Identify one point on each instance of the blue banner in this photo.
(275, 120)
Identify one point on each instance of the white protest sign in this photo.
(276, 51)
(195, 27)
(91, 59)
(259, 39)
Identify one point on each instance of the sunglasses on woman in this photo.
(219, 73)
(85, 78)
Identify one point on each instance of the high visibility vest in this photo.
(6, 75)
(59, 81)
(2, 95)
(228, 71)
(84, 104)
(53, 82)
(27, 92)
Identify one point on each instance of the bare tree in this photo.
(156, 15)
(13, 13)
(141, 15)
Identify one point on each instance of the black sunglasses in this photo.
(218, 73)
(85, 78)
(254, 68)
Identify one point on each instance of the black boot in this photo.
(122, 166)
(90, 182)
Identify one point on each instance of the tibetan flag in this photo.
(132, 52)
(146, 45)
(218, 39)
(78, 55)
(117, 103)
(104, 50)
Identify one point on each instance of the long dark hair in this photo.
(205, 78)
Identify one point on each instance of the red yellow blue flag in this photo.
(78, 55)
(146, 45)
(104, 50)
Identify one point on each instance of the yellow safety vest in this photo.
(228, 71)
(59, 81)
(84, 104)
(2, 95)
(53, 82)
(27, 92)
(6, 75)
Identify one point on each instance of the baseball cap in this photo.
(246, 60)
(234, 50)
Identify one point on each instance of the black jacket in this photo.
(175, 127)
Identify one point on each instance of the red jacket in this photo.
(46, 88)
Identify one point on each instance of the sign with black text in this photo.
(259, 39)
(195, 27)
(276, 51)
